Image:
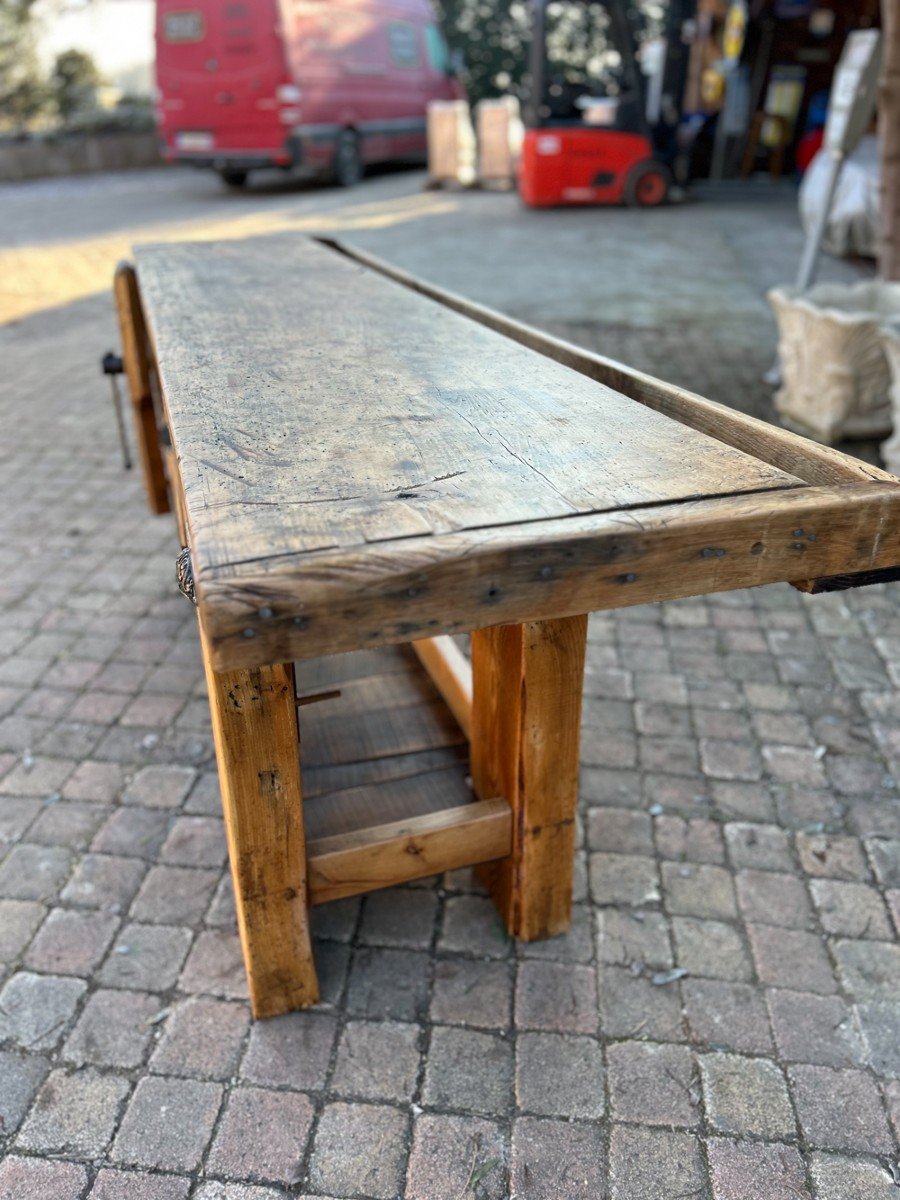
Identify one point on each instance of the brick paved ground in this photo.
(723, 1021)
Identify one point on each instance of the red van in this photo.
(324, 84)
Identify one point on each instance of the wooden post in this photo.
(526, 721)
(889, 139)
(254, 722)
(136, 360)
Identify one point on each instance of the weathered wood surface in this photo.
(458, 582)
(363, 464)
(526, 723)
(255, 730)
(451, 674)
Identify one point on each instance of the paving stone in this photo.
(756, 1171)
(135, 832)
(738, 801)
(814, 1029)
(104, 881)
(164, 786)
(215, 966)
(167, 1124)
(262, 1136)
(292, 1051)
(632, 1006)
(726, 1016)
(74, 1113)
(37, 1179)
(869, 970)
(18, 921)
(893, 901)
(880, 1023)
(854, 909)
(839, 1178)
(449, 1151)
(652, 1084)
(15, 816)
(623, 879)
(472, 925)
(399, 917)
(470, 992)
(20, 1077)
(722, 759)
(113, 1030)
(557, 997)
(773, 898)
(892, 1103)
(711, 948)
(832, 856)
(359, 1149)
(791, 958)
(746, 1096)
(559, 1075)
(635, 1159)
(217, 1190)
(35, 1009)
(619, 831)
(553, 1160)
(468, 1071)
(633, 936)
(71, 824)
(574, 946)
(134, 1185)
(691, 839)
(389, 984)
(146, 957)
(202, 1038)
(377, 1060)
(698, 890)
(760, 847)
(71, 943)
(195, 842)
(840, 1110)
(32, 872)
(174, 895)
(884, 855)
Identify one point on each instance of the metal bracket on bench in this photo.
(112, 366)
(184, 573)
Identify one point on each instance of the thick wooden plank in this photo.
(805, 459)
(398, 799)
(346, 737)
(396, 853)
(340, 408)
(339, 777)
(255, 731)
(451, 673)
(137, 363)
(526, 721)
(458, 582)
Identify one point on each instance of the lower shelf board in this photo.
(399, 851)
(387, 797)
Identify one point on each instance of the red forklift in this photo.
(588, 136)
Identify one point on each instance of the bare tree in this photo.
(889, 136)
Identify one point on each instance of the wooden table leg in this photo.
(254, 722)
(526, 719)
(136, 360)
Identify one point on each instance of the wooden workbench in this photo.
(360, 462)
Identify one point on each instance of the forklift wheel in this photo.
(648, 185)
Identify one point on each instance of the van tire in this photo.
(234, 179)
(347, 169)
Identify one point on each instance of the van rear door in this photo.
(221, 72)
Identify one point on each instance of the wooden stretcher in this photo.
(364, 467)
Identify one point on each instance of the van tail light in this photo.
(288, 93)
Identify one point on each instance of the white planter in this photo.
(890, 450)
(451, 143)
(498, 124)
(835, 377)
